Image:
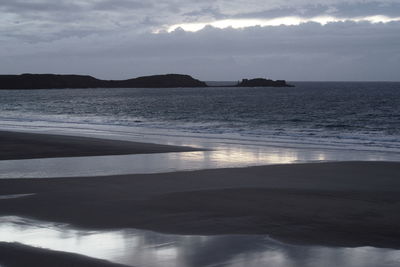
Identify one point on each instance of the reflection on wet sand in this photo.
(146, 248)
(222, 156)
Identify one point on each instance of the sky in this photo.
(296, 40)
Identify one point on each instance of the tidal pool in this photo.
(150, 249)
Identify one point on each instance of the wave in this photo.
(217, 131)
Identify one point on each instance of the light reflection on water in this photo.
(146, 248)
(223, 156)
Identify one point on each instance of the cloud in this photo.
(243, 23)
(338, 9)
(110, 5)
(114, 39)
(46, 20)
(23, 6)
(310, 51)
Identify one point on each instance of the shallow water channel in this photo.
(150, 249)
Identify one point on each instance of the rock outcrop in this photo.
(260, 82)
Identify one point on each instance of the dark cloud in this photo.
(23, 6)
(341, 10)
(366, 9)
(110, 5)
(209, 11)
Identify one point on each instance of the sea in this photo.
(341, 115)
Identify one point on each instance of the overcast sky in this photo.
(209, 39)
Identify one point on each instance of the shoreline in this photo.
(21, 145)
(162, 135)
(336, 204)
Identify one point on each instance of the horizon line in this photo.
(204, 80)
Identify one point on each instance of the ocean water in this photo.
(339, 115)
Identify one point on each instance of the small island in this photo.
(261, 82)
(55, 81)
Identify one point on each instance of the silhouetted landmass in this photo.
(159, 81)
(260, 82)
(46, 81)
(54, 81)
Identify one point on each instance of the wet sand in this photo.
(340, 204)
(15, 255)
(16, 145)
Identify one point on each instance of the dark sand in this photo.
(343, 203)
(15, 145)
(17, 255)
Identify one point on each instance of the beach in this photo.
(19, 145)
(333, 203)
(10, 254)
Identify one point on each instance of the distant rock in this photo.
(54, 81)
(261, 82)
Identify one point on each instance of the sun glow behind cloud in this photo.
(289, 21)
